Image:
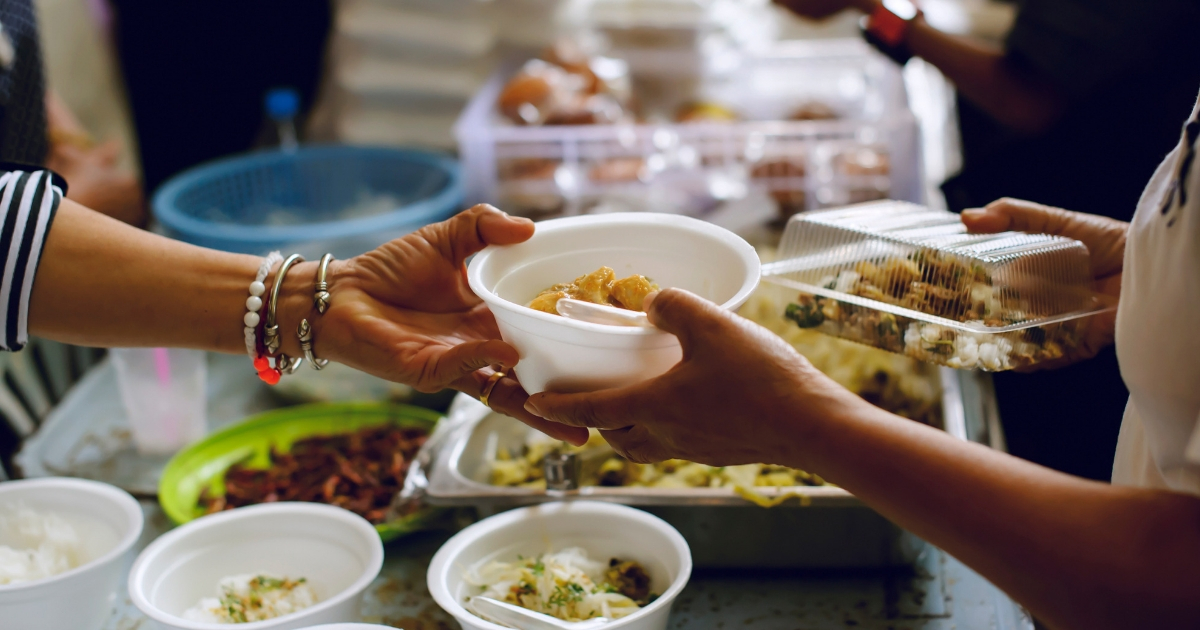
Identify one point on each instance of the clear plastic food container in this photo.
(807, 127)
(912, 280)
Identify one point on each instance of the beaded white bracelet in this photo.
(254, 303)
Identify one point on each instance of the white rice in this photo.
(37, 545)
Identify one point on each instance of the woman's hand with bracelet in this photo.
(404, 312)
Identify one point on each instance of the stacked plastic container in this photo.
(401, 71)
(912, 280)
(809, 125)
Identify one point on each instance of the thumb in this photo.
(466, 358)
(483, 225)
(683, 314)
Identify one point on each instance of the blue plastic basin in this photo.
(337, 198)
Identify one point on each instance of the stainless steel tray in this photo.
(724, 530)
(456, 471)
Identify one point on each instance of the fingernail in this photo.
(648, 300)
(532, 408)
(974, 213)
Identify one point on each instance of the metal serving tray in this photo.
(723, 529)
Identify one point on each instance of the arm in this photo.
(1079, 554)
(1014, 96)
(96, 180)
(401, 312)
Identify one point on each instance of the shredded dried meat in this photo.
(360, 471)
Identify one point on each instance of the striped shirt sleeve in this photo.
(28, 201)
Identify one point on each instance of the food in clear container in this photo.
(566, 584)
(253, 597)
(516, 169)
(619, 170)
(863, 161)
(565, 89)
(814, 110)
(599, 287)
(784, 178)
(912, 280)
(897, 383)
(703, 112)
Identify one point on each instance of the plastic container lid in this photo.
(912, 280)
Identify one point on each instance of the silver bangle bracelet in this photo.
(283, 362)
(321, 298)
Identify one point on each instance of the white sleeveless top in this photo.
(1158, 327)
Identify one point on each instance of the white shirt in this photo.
(1158, 327)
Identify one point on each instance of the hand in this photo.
(1105, 240)
(821, 9)
(94, 180)
(741, 395)
(404, 312)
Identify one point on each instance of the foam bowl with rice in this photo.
(603, 531)
(63, 544)
(332, 552)
(562, 354)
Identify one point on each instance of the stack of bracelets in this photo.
(269, 362)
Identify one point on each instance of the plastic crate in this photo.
(341, 199)
(870, 152)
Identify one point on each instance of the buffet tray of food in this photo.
(481, 458)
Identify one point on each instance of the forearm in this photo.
(987, 77)
(103, 283)
(1079, 554)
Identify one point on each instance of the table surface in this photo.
(939, 593)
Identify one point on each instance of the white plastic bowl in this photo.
(604, 530)
(110, 522)
(561, 354)
(350, 626)
(337, 551)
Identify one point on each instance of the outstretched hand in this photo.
(1104, 238)
(740, 395)
(404, 312)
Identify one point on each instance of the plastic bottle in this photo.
(282, 106)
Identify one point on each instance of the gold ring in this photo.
(489, 386)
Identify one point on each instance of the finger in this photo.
(605, 409)
(685, 315)
(483, 225)
(634, 444)
(468, 357)
(508, 398)
(1104, 237)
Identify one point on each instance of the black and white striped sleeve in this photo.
(29, 198)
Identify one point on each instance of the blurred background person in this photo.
(1075, 110)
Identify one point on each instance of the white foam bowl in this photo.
(604, 530)
(337, 551)
(561, 354)
(350, 626)
(109, 522)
